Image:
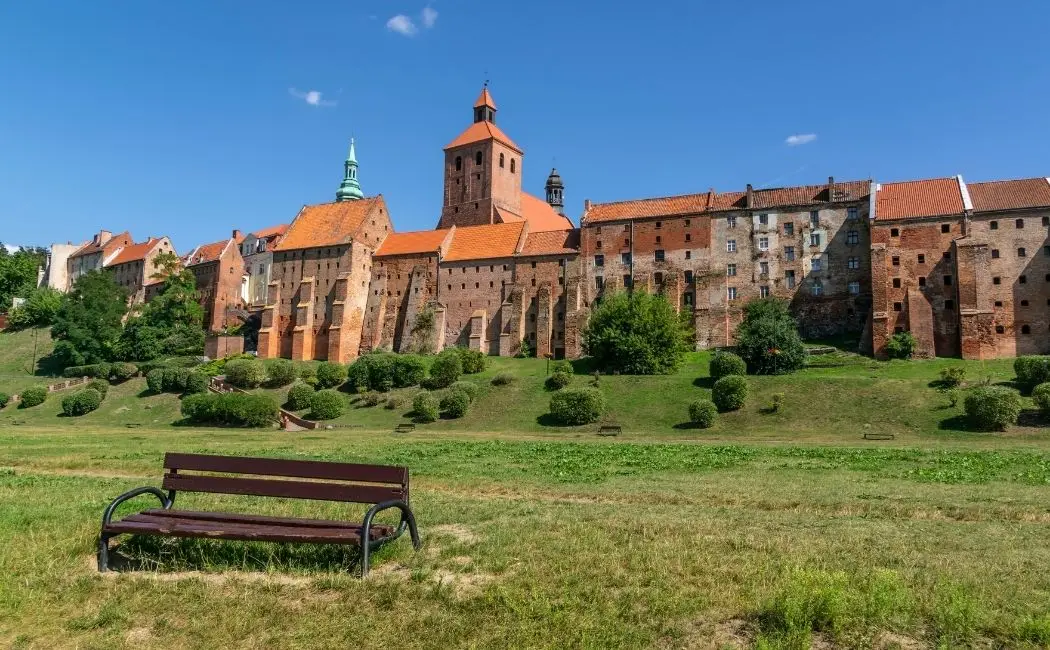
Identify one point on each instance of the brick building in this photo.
(93, 255)
(218, 269)
(134, 267)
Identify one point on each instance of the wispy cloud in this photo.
(430, 16)
(800, 139)
(311, 97)
(403, 25)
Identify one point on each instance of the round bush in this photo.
(326, 405)
(81, 402)
(380, 371)
(357, 375)
(1040, 395)
(330, 374)
(425, 407)
(724, 364)
(197, 382)
(558, 380)
(199, 407)
(307, 371)
(992, 408)
(94, 370)
(33, 396)
(563, 366)
(4, 399)
(101, 386)
(729, 393)
(446, 369)
(408, 370)
(1032, 370)
(702, 413)
(280, 372)
(245, 409)
(155, 380)
(122, 371)
(468, 387)
(473, 361)
(455, 404)
(245, 373)
(952, 377)
(175, 379)
(299, 396)
(577, 405)
(503, 379)
(394, 402)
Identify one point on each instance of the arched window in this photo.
(501, 161)
(459, 163)
(477, 158)
(512, 165)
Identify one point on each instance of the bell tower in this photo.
(556, 192)
(350, 188)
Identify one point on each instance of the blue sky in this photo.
(194, 117)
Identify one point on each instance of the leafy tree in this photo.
(39, 309)
(17, 274)
(88, 324)
(767, 339)
(635, 333)
(172, 323)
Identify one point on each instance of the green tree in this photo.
(635, 333)
(17, 274)
(767, 339)
(39, 309)
(88, 324)
(172, 323)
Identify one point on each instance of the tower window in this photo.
(688, 237)
(993, 225)
(1019, 223)
(512, 165)
(459, 163)
(896, 283)
(922, 258)
(1021, 252)
(478, 158)
(946, 227)
(501, 161)
(995, 253)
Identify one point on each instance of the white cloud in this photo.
(430, 16)
(800, 138)
(311, 97)
(402, 24)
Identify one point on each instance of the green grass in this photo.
(16, 358)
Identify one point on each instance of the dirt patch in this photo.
(216, 579)
(731, 634)
(463, 585)
(458, 532)
(137, 636)
(894, 641)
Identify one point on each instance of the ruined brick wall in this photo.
(464, 287)
(977, 339)
(289, 270)
(399, 288)
(542, 282)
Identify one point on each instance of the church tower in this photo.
(482, 171)
(350, 188)
(556, 192)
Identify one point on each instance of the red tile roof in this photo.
(479, 131)
(206, 253)
(408, 243)
(110, 245)
(656, 207)
(271, 231)
(134, 253)
(484, 242)
(485, 99)
(552, 242)
(540, 215)
(1010, 195)
(916, 199)
(328, 224)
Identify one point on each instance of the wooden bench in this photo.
(382, 486)
(878, 436)
(610, 430)
(404, 428)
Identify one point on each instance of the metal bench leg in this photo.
(364, 556)
(103, 553)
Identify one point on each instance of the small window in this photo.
(688, 277)
(625, 258)
(627, 242)
(946, 255)
(1022, 280)
(997, 280)
(1026, 329)
(658, 239)
(731, 270)
(1019, 223)
(731, 293)
(818, 264)
(851, 213)
(533, 264)
(627, 281)
(789, 253)
(789, 229)
(922, 281)
(658, 255)
(598, 244)
(513, 166)
(895, 232)
(478, 158)
(853, 263)
(731, 246)
(763, 219)
(995, 253)
(599, 260)
(896, 283)
(814, 239)
(659, 224)
(854, 288)
(1021, 252)
(946, 227)
(949, 304)
(817, 288)
(814, 218)
(501, 161)
(659, 278)
(922, 258)
(999, 329)
(763, 292)
(599, 282)
(789, 279)
(897, 306)
(763, 243)
(896, 261)
(687, 222)
(763, 268)
(947, 280)
(689, 255)
(688, 237)
(1024, 303)
(1046, 221)
(459, 163)
(993, 225)
(687, 298)
(731, 221)
(852, 237)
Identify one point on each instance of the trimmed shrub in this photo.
(33, 396)
(299, 396)
(901, 346)
(1032, 370)
(155, 380)
(577, 405)
(724, 364)
(234, 409)
(455, 403)
(199, 407)
(326, 405)
(307, 371)
(952, 377)
(473, 360)
(503, 379)
(468, 387)
(330, 374)
(279, 372)
(122, 371)
(357, 375)
(372, 398)
(702, 413)
(562, 366)
(94, 370)
(408, 370)
(394, 402)
(147, 367)
(81, 402)
(446, 369)
(380, 371)
(197, 382)
(558, 380)
(1040, 395)
(245, 373)
(102, 387)
(425, 407)
(729, 393)
(992, 408)
(176, 379)
(4, 399)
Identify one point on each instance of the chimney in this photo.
(236, 234)
(750, 195)
(831, 188)
(586, 205)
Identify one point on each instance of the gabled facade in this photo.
(257, 252)
(93, 255)
(218, 269)
(134, 267)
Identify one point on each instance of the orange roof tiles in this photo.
(111, 244)
(271, 231)
(552, 242)
(134, 253)
(479, 131)
(408, 243)
(206, 253)
(656, 207)
(916, 199)
(327, 224)
(1010, 195)
(484, 242)
(485, 99)
(540, 215)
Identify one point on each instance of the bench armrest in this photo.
(165, 501)
(407, 519)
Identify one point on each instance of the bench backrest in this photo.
(329, 481)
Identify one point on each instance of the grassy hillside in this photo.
(16, 358)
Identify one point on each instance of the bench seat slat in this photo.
(172, 527)
(233, 517)
(314, 469)
(286, 489)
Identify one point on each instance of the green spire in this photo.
(350, 189)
